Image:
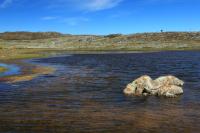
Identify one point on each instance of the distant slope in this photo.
(29, 35)
(142, 41)
(167, 36)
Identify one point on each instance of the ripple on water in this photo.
(85, 95)
(11, 70)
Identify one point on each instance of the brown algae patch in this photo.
(28, 71)
(3, 69)
(30, 75)
(43, 70)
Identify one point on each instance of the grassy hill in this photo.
(142, 41)
(29, 35)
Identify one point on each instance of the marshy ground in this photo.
(3, 69)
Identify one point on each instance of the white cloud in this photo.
(162, 1)
(86, 5)
(49, 18)
(73, 21)
(95, 5)
(5, 3)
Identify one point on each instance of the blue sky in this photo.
(99, 16)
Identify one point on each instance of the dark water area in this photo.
(85, 95)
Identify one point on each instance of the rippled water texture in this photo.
(11, 70)
(85, 95)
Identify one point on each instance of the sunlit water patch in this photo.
(10, 70)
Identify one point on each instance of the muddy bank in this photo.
(19, 71)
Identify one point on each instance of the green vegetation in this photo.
(18, 45)
(31, 74)
(13, 53)
(2, 69)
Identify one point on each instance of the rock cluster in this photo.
(169, 86)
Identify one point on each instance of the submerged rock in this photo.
(169, 86)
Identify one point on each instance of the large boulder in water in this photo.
(169, 90)
(169, 80)
(140, 86)
(169, 86)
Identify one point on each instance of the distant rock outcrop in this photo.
(168, 86)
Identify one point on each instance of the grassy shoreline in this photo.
(17, 54)
(28, 53)
(3, 69)
(19, 45)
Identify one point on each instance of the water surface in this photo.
(11, 70)
(85, 95)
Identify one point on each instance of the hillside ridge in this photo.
(138, 41)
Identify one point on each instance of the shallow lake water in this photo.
(11, 70)
(85, 94)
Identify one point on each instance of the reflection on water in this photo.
(11, 70)
(85, 95)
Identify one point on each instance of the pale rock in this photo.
(169, 86)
